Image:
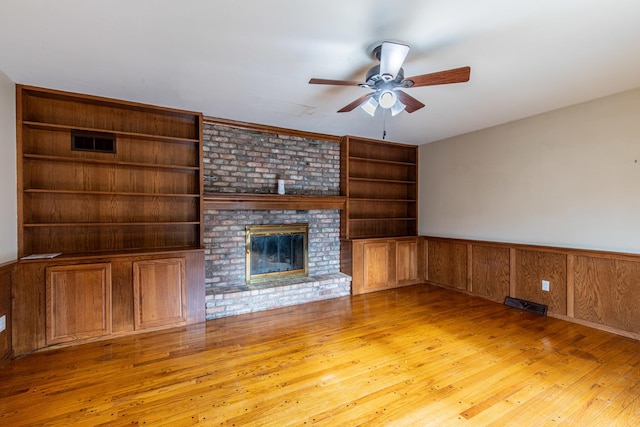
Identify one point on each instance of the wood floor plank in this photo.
(414, 356)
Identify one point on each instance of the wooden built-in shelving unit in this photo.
(379, 180)
(380, 248)
(116, 188)
(145, 195)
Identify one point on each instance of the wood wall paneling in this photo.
(6, 283)
(423, 255)
(490, 272)
(28, 308)
(448, 264)
(571, 269)
(607, 292)
(532, 267)
(595, 288)
(195, 287)
(512, 272)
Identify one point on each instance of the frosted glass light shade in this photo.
(370, 106)
(397, 108)
(387, 99)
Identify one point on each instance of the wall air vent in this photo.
(93, 141)
(526, 305)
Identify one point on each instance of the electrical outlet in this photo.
(545, 285)
(3, 322)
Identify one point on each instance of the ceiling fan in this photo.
(387, 80)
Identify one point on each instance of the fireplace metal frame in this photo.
(274, 230)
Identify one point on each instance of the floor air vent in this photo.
(526, 305)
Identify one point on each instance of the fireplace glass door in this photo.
(276, 251)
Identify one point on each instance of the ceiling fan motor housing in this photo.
(375, 80)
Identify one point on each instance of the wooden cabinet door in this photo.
(159, 292)
(378, 266)
(78, 302)
(407, 262)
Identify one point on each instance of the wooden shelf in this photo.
(108, 193)
(124, 253)
(381, 161)
(111, 163)
(381, 219)
(382, 180)
(371, 199)
(133, 135)
(111, 224)
(236, 201)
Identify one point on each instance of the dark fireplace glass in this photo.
(277, 253)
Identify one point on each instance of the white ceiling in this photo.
(252, 60)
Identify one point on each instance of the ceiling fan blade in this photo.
(333, 82)
(409, 101)
(354, 104)
(392, 56)
(456, 75)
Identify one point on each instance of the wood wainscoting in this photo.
(6, 283)
(596, 288)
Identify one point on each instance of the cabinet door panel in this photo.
(159, 292)
(407, 262)
(378, 272)
(78, 302)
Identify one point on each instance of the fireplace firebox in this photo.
(276, 251)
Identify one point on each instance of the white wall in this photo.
(568, 178)
(8, 198)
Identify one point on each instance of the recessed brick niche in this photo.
(238, 160)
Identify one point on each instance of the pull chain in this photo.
(384, 123)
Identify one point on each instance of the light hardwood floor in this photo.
(415, 356)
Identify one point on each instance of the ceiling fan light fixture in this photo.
(387, 98)
(370, 106)
(387, 80)
(397, 108)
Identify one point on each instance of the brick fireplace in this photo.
(248, 161)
